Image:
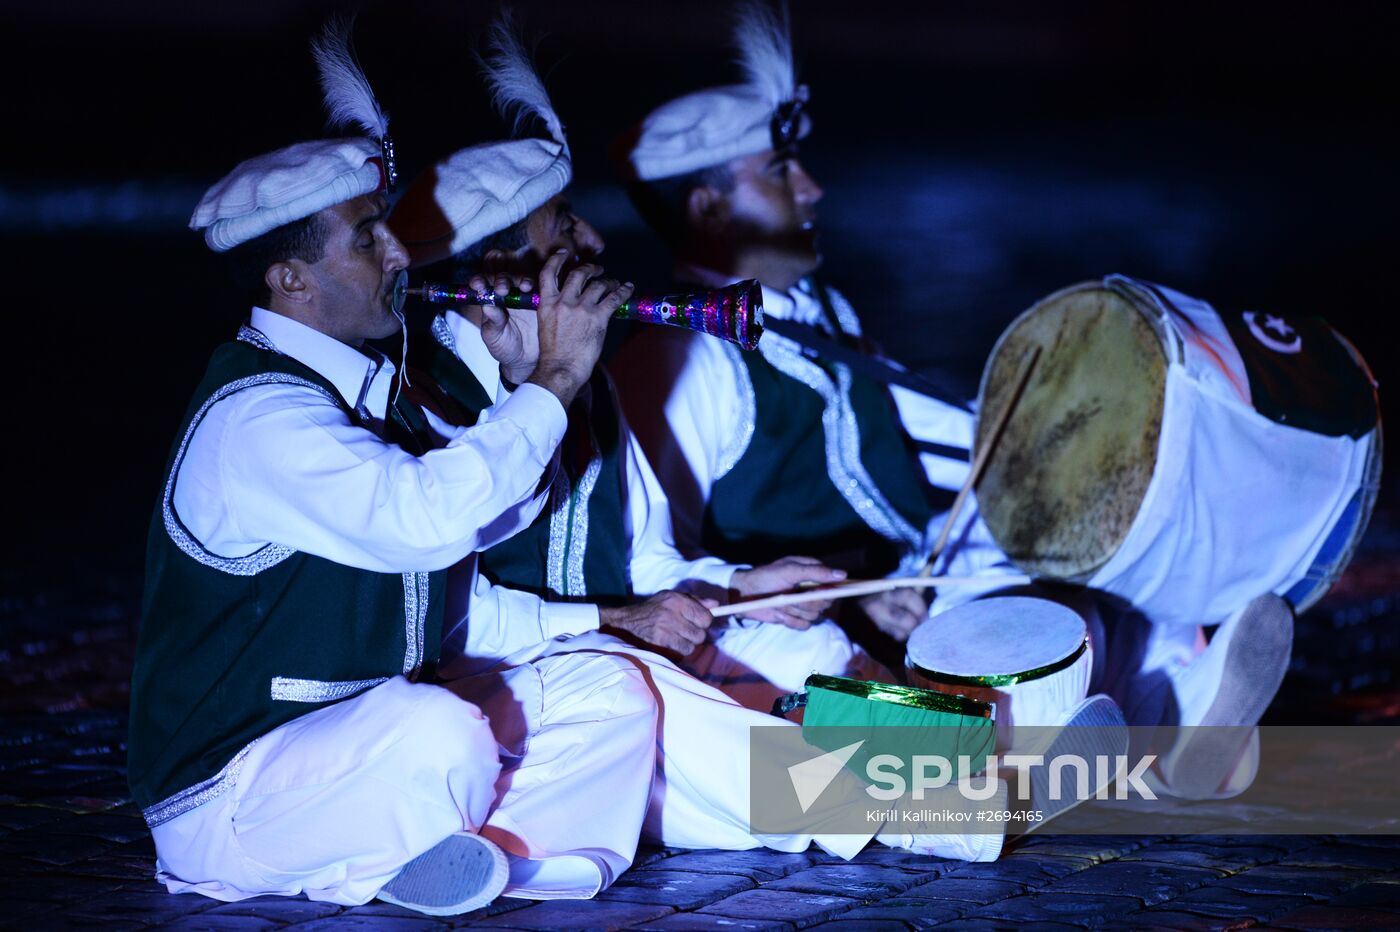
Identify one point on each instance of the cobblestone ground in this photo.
(76, 853)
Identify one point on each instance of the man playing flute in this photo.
(290, 732)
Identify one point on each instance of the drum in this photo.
(1028, 658)
(1181, 459)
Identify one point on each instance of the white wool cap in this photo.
(703, 129)
(486, 188)
(476, 192)
(712, 126)
(278, 188)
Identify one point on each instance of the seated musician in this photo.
(604, 536)
(716, 174)
(289, 732)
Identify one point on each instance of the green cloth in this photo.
(898, 720)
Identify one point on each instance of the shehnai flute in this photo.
(734, 313)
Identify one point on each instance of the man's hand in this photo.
(670, 620)
(512, 337)
(897, 612)
(572, 321)
(781, 576)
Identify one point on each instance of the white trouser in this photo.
(756, 662)
(334, 803)
(700, 798)
(578, 744)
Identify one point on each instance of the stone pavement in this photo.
(77, 854)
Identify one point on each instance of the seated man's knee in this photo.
(444, 728)
(613, 682)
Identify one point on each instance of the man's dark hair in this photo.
(514, 237)
(662, 202)
(303, 239)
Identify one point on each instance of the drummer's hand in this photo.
(512, 337)
(897, 612)
(782, 576)
(672, 621)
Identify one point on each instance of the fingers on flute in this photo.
(617, 297)
(574, 283)
(549, 274)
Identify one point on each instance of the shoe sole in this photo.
(1255, 663)
(432, 883)
(1095, 729)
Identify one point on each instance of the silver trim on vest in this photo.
(845, 314)
(291, 689)
(559, 490)
(739, 441)
(415, 616)
(443, 333)
(564, 569)
(250, 334)
(265, 557)
(842, 435)
(578, 541)
(199, 794)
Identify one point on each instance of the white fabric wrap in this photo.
(269, 191)
(1238, 505)
(703, 129)
(476, 192)
(1041, 701)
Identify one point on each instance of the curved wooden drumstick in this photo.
(860, 587)
(979, 463)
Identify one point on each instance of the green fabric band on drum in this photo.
(828, 695)
(897, 720)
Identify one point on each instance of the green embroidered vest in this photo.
(577, 548)
(827, 470)
(231, 648)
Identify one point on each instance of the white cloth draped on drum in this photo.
(1139, 464)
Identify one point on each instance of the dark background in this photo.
(975, 156)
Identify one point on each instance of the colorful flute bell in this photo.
(734, 313)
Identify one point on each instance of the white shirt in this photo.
(501, 621)
(282, 463)
(695, 434)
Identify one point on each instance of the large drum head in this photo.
(1072, 465)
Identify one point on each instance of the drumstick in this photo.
(979, 463)
(859, 587)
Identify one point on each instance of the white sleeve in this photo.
(934, 421)
(284, 464)
(486, 623)
(682, 397)
(655, 562)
